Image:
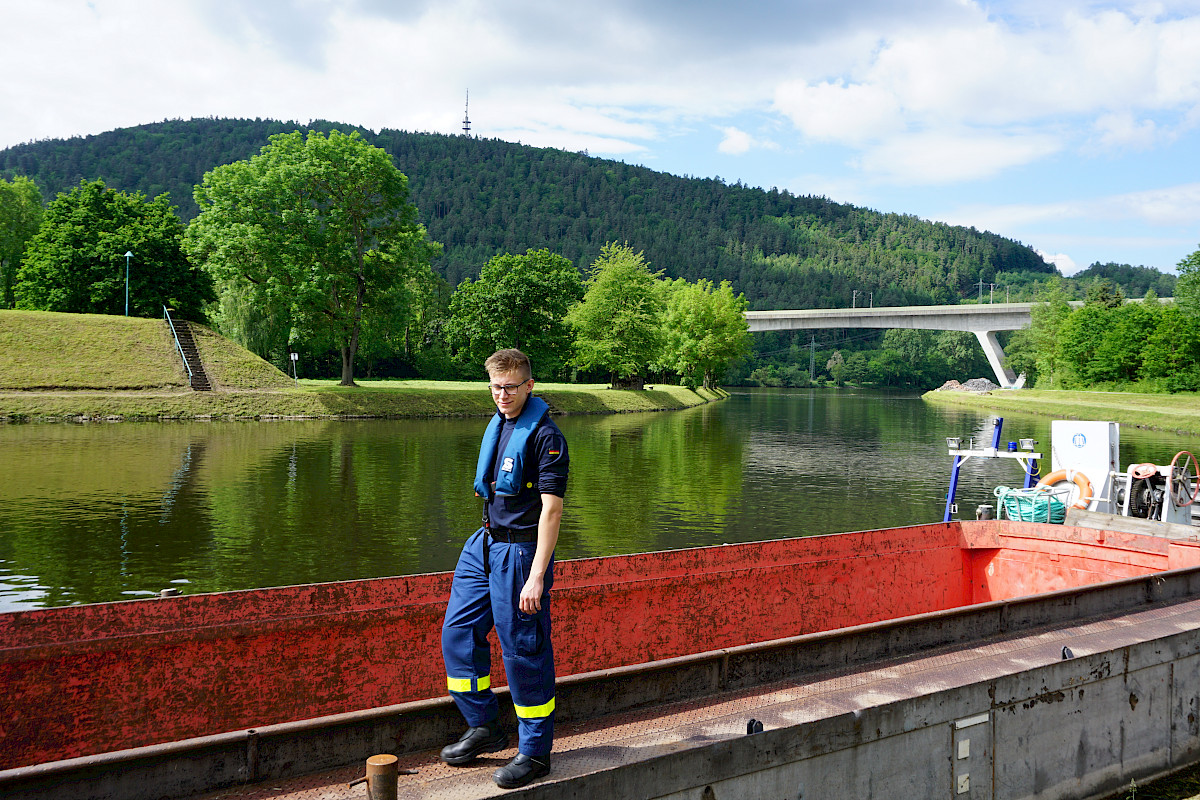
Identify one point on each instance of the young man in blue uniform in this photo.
(504, 575)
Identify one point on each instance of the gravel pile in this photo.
(979, 385)
(973, 385)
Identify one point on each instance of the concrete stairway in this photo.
(187, 342)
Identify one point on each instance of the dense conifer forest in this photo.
(480, 197)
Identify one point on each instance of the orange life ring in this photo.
(1072, 476)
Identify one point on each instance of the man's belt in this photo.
(512, 536)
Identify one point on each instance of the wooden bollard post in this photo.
(381, 777)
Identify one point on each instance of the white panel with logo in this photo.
(1090, 449)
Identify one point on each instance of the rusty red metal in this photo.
(91, 679)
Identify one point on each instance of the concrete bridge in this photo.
(981, 320)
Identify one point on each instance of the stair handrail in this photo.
(178, 346)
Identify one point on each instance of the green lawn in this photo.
(1167, 412)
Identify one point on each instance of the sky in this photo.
(1068, 125)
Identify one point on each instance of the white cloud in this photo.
(953, 156)
(1153, 227)
(837, 112)
(984, 94)
(1120, 130)
(1166, 207)
(1065, 264)
(736, 142)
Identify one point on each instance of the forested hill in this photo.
(479, 197)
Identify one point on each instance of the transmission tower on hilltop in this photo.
(467, 116)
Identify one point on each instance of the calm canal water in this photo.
(109, 512)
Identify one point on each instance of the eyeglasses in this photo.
(506, 388)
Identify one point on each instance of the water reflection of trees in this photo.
(100, 512)
(106, 512)
(123, 511)
(650, 482)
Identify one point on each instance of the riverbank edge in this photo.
(1177, 413)
(371, 400)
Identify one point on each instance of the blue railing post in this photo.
(953, 488)
(1032, 474)
(178, 346)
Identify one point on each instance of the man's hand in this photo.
(531, 592)
(531, 595)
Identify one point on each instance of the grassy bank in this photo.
(325, 400)
(51, 352)
(1167, 412)
(95, 367)
(43, 350)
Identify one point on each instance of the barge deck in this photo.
(915, 723)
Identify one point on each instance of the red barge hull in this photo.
(87, 680)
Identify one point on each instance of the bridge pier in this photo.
(995, 356)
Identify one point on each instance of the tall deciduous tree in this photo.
(619, 322)
(76, 262)
(321, 226)
(519, 301)
(1048, 319)
(1171, 352)
(705, 330)
(1187, 289)
(20, 216)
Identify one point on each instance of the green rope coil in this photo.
(1039, 504)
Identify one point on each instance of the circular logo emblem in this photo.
(1079, 440)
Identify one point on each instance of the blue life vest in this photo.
(508, 482)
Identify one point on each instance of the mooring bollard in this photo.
(381, 777)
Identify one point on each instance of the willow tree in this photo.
(320, 228)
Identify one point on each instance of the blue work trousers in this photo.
(482, 598)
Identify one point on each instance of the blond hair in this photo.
(511, 360)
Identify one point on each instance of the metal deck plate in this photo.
(596, 745)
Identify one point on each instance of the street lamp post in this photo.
(128, 255)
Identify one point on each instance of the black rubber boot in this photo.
(487, 739)
(522, 770)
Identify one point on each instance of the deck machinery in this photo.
(1085, 473)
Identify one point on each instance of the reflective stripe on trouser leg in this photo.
(525, 642)
(464, 637)
(462, 685)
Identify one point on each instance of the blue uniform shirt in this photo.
(546, 463)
